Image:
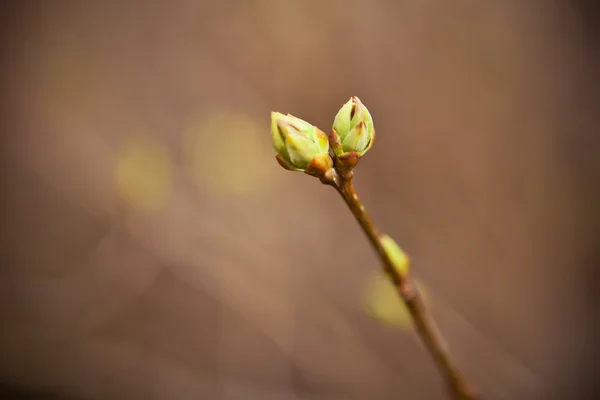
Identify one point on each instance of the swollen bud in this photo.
(300, 145)
(353, 130)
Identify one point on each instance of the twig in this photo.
(405, 287)
(304, 147)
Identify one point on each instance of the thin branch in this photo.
(406, 288)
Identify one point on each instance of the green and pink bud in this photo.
(353, 133)
(300, 145)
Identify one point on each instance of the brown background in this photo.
(245, 282)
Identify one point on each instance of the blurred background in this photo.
(152, 248)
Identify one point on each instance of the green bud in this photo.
(396, 254)
(300, 145)
(353, 129)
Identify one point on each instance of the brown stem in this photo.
(423, 321)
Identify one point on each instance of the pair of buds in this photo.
(304, 147)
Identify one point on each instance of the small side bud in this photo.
(300, 145)
(353, 130)
(396, 254)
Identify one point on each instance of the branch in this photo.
(304, 147)
(406, 288)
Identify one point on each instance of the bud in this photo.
(300, 145)
(396, 254)
(353, 133)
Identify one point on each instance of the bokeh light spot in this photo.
(143, 174)
(383, 302)
(229, 153)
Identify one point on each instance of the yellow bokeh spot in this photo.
(143, 174)
(384, 303)
(229, 153)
